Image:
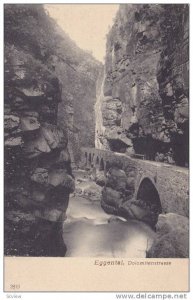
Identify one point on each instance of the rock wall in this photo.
(76, 110)
(143, 100)
(38, 178)
(78, 73)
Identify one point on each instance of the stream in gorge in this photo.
(89, 232)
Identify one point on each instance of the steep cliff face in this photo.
(143, 101)
(38, 178)
(173, 80)
(78, 72)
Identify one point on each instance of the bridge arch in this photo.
(148, 193)
(172, 195)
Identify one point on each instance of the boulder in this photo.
(29, 123)
(18, 102)
(48, 138)
(32, 91)
(116, 179)
(50, 159)
(63, 157)
(54, 136)
(90, 190)
(11, 122)
(109, 209)
(36, 146)
(69, 183)
(112, 197)
(134, 209)
(40, 175)
(53, 215)
(56, 177)
(14, 141)
(171, 221)
(114, 219)
(172, 239)
(59, 177)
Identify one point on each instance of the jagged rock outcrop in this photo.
(143, 102)
(38, 178)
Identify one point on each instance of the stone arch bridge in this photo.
(169, 182)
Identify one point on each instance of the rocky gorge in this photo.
(59, 98)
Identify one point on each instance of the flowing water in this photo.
(90, 232)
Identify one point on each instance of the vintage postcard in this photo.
(96, 159)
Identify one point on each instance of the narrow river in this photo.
(90, 232)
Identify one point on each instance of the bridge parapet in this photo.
(171, 182)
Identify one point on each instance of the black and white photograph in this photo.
(96, 129)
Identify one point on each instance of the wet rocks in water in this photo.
(118, 188)
(90, 232)
(59, 177)
(116, 179)
(114, 219)
(117, 198)
(137, 209)
(86, 187)
(172, 237)
(112, 197)
(108, 208)
(89, 190)
(100, 178)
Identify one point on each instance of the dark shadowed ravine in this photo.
(90, 232)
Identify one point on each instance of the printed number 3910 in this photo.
(14, 286)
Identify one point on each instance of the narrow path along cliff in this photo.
(90, 232)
